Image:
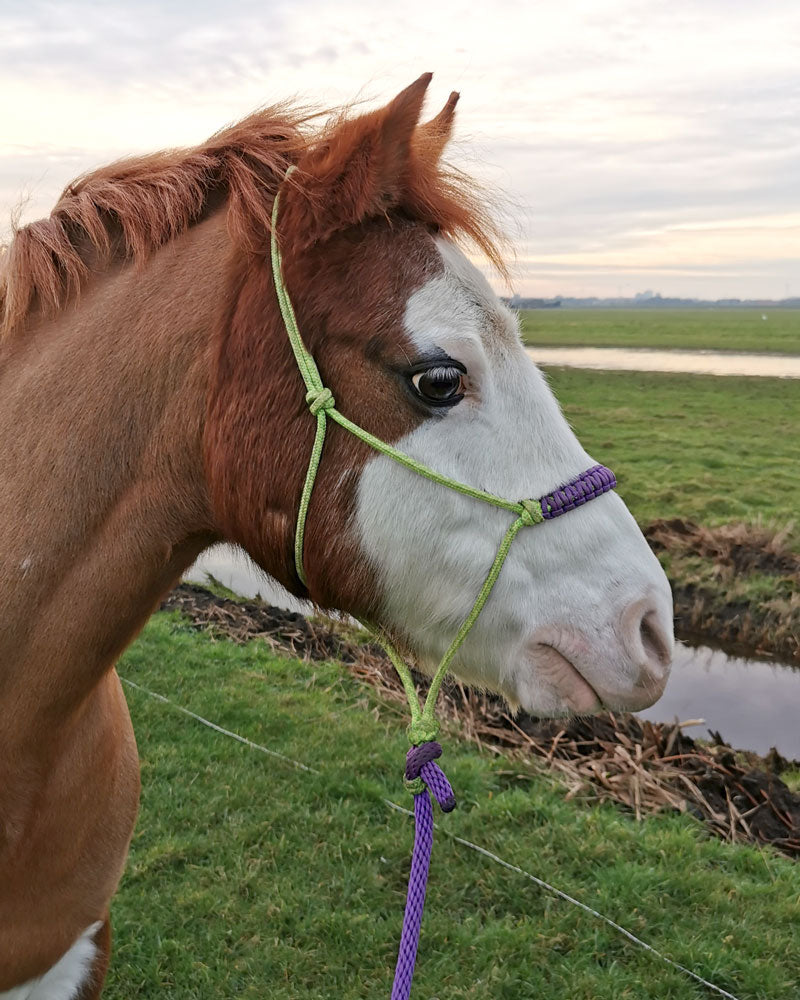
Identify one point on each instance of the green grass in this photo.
(250, 879)
(694, 329)
(708, 449)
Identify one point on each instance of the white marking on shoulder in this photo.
(66, 977)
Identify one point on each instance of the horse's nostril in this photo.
(646, 634)
(657, 646)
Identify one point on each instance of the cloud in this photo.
(620, 128)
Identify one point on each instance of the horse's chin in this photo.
(554, 683)
(563, 688)
(546, 684)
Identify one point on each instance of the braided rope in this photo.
(422, 773)
(588, 485)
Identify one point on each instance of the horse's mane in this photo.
(130, 208)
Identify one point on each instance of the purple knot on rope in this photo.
(419, 764)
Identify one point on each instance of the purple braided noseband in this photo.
(419, 764)
(588, 485)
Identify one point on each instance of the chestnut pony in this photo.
(150, 406)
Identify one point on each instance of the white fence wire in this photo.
(560, 894)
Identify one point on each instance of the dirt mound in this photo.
(242, 621)
(738, 547)
(642, 765)
(650, 766)
(738, 584)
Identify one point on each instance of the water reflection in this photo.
(754, 704)
(691, 362)
(236, 570)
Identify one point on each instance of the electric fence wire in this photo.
(560, 894)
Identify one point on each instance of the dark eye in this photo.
(440, 385)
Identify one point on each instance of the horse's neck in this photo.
(102, 497)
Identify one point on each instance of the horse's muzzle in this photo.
(625, 669)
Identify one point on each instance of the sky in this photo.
(638, 145)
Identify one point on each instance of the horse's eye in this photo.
(441, 385)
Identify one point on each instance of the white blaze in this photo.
(432, 547)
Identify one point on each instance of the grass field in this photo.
(712, 451)
(693, 329)
(707, 448)
(248, 878)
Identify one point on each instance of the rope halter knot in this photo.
(421, 773)
(320, 399)
(531, 512)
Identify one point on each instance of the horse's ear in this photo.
(360, 170)
(431, 138)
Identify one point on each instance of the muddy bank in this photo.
(643, 766)
(736, 585)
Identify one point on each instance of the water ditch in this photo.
(754, 703)
(687, 362)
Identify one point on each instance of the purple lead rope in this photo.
(426, 777)
(419, 764)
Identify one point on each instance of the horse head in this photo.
(416, 347)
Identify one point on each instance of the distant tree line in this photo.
(648, 300)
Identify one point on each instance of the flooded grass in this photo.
(629, 359)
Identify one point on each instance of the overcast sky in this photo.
(644, 145)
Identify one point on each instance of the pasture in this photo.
(716, 452)
(712, 449)
(685, 329)
(249, 878)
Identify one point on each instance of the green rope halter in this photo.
(322, 405)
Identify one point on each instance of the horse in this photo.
(150, 407)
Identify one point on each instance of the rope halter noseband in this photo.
(422, 774)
